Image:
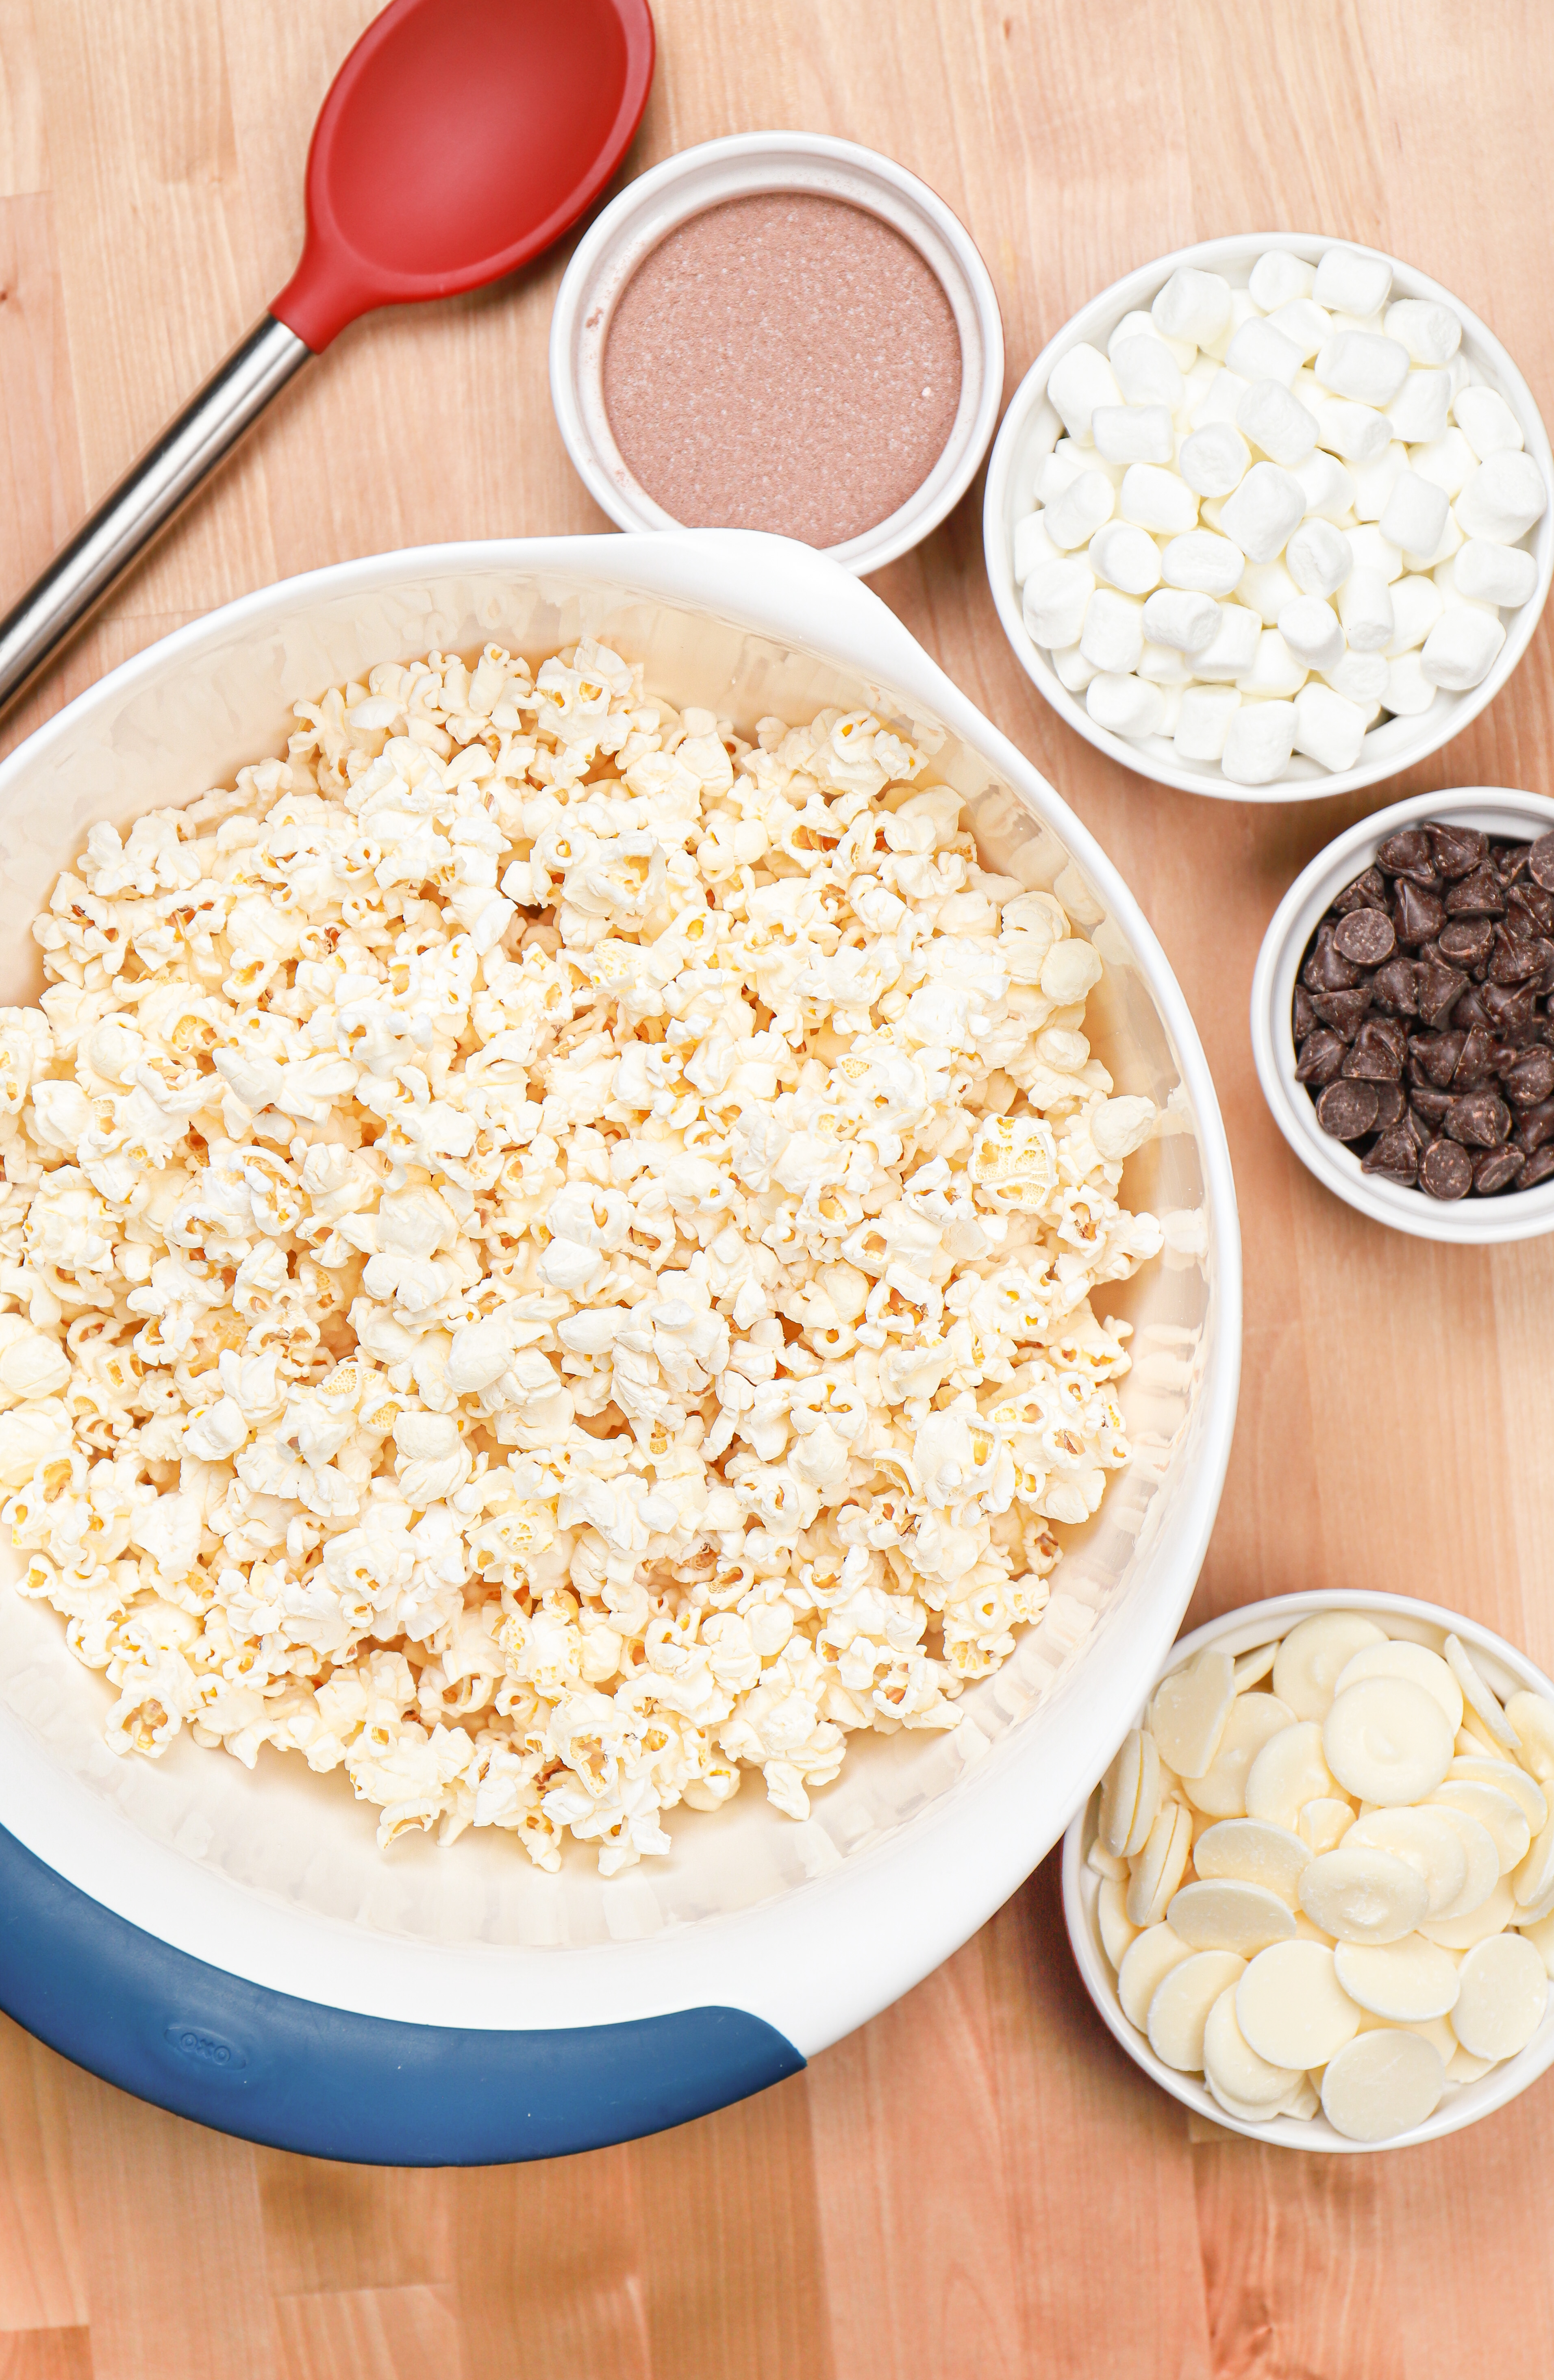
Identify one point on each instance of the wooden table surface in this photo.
(977, 2183)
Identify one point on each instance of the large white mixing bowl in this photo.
(234, 1945)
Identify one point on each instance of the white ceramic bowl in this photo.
(742, 167)
(274, 1876)
(1508, 1671)
(1468, 1222)
(1031, 428)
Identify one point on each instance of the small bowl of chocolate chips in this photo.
(1402, 1015)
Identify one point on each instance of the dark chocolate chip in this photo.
(1457, 850)
(1345, 1011)
(1365, 938)
(1446, 1170)
(1394, 987)
(1378, 1051)
(1418, 1130)
(1325, 969)
(1466, 941)
(1395, 1156)
(1536, 907)
(1304, 1016)
(1479, 896)
(1514, 962)
(1408, 854)
(1478, 1120)
(1390, 1105)
(1438, 990)
(1470, 1011)
(1540, 862)
(1537, 1169)
(1476, 1066)
(1321, 1057)
(1531, 1080)
(1347, 1110)
(1418, 916)
(1535, 1127)
(1430, 1105)
(1435, 1056)
(1499, 1170)
(1507, 1007)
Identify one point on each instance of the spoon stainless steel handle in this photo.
(145, 500)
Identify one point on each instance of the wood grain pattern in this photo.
(977, 2186)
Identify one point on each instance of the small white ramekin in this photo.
(1470, 1223)
(1508, 1671)
(1031, 428)
(745, 165)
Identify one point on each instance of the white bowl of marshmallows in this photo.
(1268, 518)
(1314, 1895)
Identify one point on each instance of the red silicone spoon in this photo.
(460, 139)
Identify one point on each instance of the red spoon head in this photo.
(458, 141)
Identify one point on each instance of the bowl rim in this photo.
(1134, 289)
(745, 164)
(1465, 1222)
(1469, 2102)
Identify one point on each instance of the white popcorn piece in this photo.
(1486, 422)
(1080, 381)
(1133, 434)
(1202, 563)
(1258, 352)
(1279, 278)
(1415, 513)
(1462, 647)
(1053, 601)
(1112, 638)
(1374, 552)
(1277, 423)
(1417, 606)
(1147, 371)
(1084, 506)
(1157, 499)
(1264, 509)
(1259, 743)
(1356, 433)
(1203, 721)
(1125, 557)
(1362, 367)
(1310, 627)
(1422, 407)
(1488, 572)
(1185, 621)
(1215, 459)
(1329, 488)
(1276, 672)
(1126, 705)
(1360, 677)
(1365, 607)
(1329, 729)
(1409, 692)
(1032, 546)
(1431, 334)
(1503, 499)
(1235, 649)
(1317, 557)
(1349, 281)
(1193, 305)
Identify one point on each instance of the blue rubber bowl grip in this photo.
(325, 2083)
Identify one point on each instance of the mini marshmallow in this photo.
(1503, 499)
(1417, 606)
(1419, 411)
(1113, 636)
(1032, 545)
(1318, 558)
(1142, 325)
(1057, 472)
(1328, 729)
(1460, 648)
(1267, 587)
(1264, 509)
(1275, 671)
(1494, 574)
(1311, 630)
(1076, 457)
(1486, 422)
(1329, 489)
(1054, 599)
(1259, 352)
(1359, 677)
(1449, 543)
(1157, 499)
(1373, 482)
(1443, 578)
(1215, 459)
(1448, 462)
(1373, 552)
(1193, 305)
(1080, 510)
(1277, 278)
(1073, 671)
(1304, 323)
(1204, 563)
(1356, 432)
(1125, 557)
(1432, 333)
(1133, 433)
(1361, 367)
(1244, 309)
(1415, 513)
(1078, 383)
(1221, 400)
(1147, 372)
(1167, 666)
(1170, 711)
(1195, 386)
(1352, 283)
(1276, 423)
(1409, 692)
(1127, 706)
(1235, 649)
(1203, 721)
(1186, 622)
(1365, 606)
(1259, 742)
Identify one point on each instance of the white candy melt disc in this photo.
(1220, 1791)
(1404, 1981)
(1540, 1934)
(1476, 1691)
(1463, 2067)
(1119, 1793)
(1322, 1824)
(1504, 1989)
(1360, 1894)
(1233, 2069)
(1245, 2111)
(1496, 1812)
(1312, 1655)
(1528, 1796)
(1492, 1915)
(1149, 1958)
(1534, 1880)
(1288, 1772)
(1436, 2030)
(1188, 1713)
(1178, 2011)
(1290, 2007)
(1117, 1930)
(1160, 1864)
(1254, 1852)
(1430, 1843)
(1533, 1718)
(1399, 1658)
(1303, 2100)
(1386, 1739)
(1251, 1668)
(1380, 2084)
(1222, 1915)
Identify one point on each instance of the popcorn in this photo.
(548, 1249)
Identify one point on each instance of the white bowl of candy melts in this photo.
(1314, 1895)
(1268, 518)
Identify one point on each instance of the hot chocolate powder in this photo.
(784, 363)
